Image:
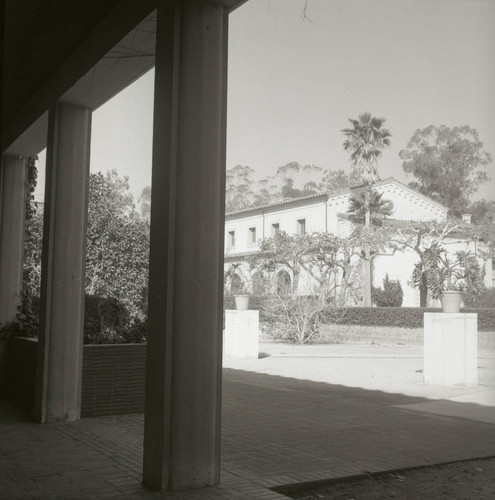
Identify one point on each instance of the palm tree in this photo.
(365, 142)
(378, 207)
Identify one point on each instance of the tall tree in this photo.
(334, 180)
(447, 163)
(378, 208)
(365, 142)
(144, 200)
(117, 244)
(239, 188)
(483, 212)
(294, 174)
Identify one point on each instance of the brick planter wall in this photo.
(113, 378)
(21, 372)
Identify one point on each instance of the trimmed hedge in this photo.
(401, 317)
(486, 299)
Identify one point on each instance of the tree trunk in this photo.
(367, 279)
(295, 283)
(367, 266)
(423, 292)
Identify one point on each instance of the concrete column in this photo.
(241, 334)
(183, 379)
(58, 382)
(451, 349)
(12, 213)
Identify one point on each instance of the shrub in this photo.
(400, 317)
(390, 296)
(293, 319)
(485, 299)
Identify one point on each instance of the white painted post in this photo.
(451, 349)
(241, 334)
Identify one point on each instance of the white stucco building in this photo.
(244, 229)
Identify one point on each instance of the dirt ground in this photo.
(471, 480)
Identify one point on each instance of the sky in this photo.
(294, 83)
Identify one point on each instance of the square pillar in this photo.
(12, 221)
(241, 334)
(451, 349)
(184, 352)
(59, 369)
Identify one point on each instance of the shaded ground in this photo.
(301, 418)
(457, 481)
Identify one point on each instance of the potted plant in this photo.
(446, 279)
(238, 287)
(242, 299)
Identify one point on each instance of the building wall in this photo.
(321, 215)
(399, 267)
(287, 219)
(409, 205)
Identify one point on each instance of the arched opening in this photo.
(284, 283)
(258, 283)
(235, 284)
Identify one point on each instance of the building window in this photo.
(275, 229)
(301, 226)
(252, 236)
(230, 240)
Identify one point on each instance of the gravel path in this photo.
(472, 480)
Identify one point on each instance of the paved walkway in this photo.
(279, 428)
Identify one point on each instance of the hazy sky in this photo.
(293, 84)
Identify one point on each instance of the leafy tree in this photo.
(144, 200)
(331, 261)
(483, 212)
(290, 181)
(117, 244)
(447, 164)
(27, 318)
(365, 142)
(267, 191)
(425, 239)
(288, 174)
(334, 180)
(444, 273)
(283, 250)
(390, 296)
(239, 188)
(334, 263)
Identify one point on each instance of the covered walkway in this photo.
(277, 431)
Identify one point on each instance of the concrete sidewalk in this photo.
(280, 427)
(391, 368)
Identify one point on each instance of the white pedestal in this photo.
(241, 334)
(451, 349)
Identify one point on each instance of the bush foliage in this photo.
(485, 298)
(116, 276)
(403, 317)
(390, 296)
(400, 317)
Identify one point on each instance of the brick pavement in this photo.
(276, 431)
